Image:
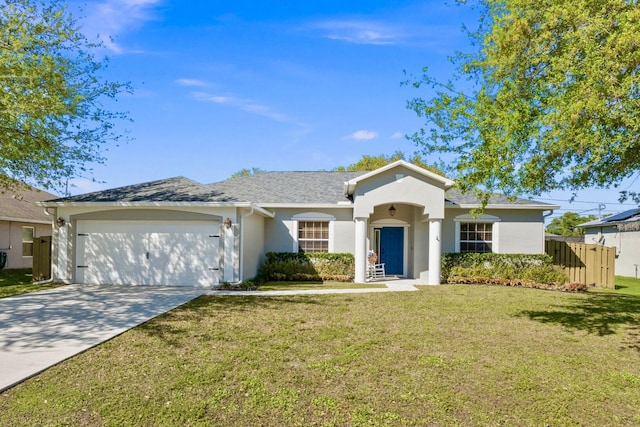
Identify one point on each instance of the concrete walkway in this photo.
(41, 329)
(394, 285)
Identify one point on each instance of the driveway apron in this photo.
(41, 329)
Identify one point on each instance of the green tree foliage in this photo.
(52, 118)
(550, 99)
(369, 163)
(566, 224)
(247, 172)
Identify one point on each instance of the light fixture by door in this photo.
(227, 222)
(392, 210)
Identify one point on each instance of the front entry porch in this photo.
(408, 245)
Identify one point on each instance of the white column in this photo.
(361, 250)
(435, 251)
(228, 242)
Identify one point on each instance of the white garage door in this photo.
(165, 253)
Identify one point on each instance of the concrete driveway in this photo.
(40, 329)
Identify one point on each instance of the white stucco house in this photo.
(621, 231)
(179, 232)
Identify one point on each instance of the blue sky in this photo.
(279, 85)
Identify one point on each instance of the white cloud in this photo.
(192, 82)
(113, 18)
(397, 135)
(359, 31)
(363, 135)
(249, 106)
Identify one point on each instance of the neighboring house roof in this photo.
(268, 189)
(626, 217)
(18, 204)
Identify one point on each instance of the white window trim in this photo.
(484, 218)
(312, 216)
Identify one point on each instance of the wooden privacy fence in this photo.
(589, 264)
(41, 258)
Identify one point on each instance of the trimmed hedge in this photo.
(526, 270)
(285, 266)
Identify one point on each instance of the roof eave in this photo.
(26, 220)
(501, 206)
(65, 204)
(339, 205)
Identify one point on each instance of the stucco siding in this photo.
(521, 232)
(420, 249)
(11, 242)
(399, 186)
(252, 235)
(281, 231)
(514, 232)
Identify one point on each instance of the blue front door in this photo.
(392, 249)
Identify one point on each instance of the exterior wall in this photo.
(252, 235)
(11, 241)
(399, 186)
(627, 244)
(281, 231)
(64, 244)
(517, 231)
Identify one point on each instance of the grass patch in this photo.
(447, 355)
(627, 285)
(289, 286)
(18, 281)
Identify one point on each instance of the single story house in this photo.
(21, 222)
(179, 232)
(621, 231)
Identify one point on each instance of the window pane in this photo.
(27, 249)
(27, 234)
(476, 237)
(313, 236)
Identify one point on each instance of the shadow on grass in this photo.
(599, 314)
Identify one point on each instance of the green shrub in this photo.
(505, 269)
(288, 266)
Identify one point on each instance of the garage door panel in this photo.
(148, 253)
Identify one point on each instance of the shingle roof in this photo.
(19, 204)
(320, 187)
(288, 187)
(454, 197)
(178, 189)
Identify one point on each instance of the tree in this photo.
(52, 118)
(247, 172)
(369, 163)
(550, 99)
(566, 224)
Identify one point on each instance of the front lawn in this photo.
(289, 286)
(447, 355)
(628, 285)
(18, 281)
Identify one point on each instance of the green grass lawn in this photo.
(288, 286)
(627, 285)
(18, 281)
(443, 356)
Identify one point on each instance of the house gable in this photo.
(399, 182)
